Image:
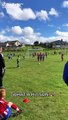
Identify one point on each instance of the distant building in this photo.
(13, 43)
(59, 44)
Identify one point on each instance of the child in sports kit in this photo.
(6, 107)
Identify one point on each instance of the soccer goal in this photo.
(30, 52)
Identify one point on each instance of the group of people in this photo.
(40, 56)
(5, 107)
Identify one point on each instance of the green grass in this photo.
(44, 78)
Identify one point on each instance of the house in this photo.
(13, 44)
(59, 44)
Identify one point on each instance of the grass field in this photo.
(38, 83)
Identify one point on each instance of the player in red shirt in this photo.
(6, 107)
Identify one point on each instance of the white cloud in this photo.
(42, 15)
(65, 4)
(53, 12)
(2, 14)
(1, 37)
(28, 13)
(4, 38)
(16, 30)
(2, 32)
(29, 36)
(26, 34)
(66, 25)
(28, 31)
(64, 34)
(50, 25)
(15, 11)
(29, 40)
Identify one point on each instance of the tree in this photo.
(36, 43)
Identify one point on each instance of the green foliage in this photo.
(41, 83)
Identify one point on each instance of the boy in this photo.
(6, 107)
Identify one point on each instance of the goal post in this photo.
(30, 51)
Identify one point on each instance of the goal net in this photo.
(30, 52)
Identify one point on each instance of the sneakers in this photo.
(17, 113)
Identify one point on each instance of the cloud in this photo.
(1, 37)
(64, 34)
(2, 32)
(2, 14)
(28, 35)
(15, 11)
(4, 38)
(66, 25)
(65, 4)
(17, 30)
(28, 31)
(24, 14)
(50, 25)
(30, 39)
(53, 12)
(42, 15)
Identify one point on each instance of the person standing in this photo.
(62, 56)
(18, 61)
(2, 67)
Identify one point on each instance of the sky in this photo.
(33, 20)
